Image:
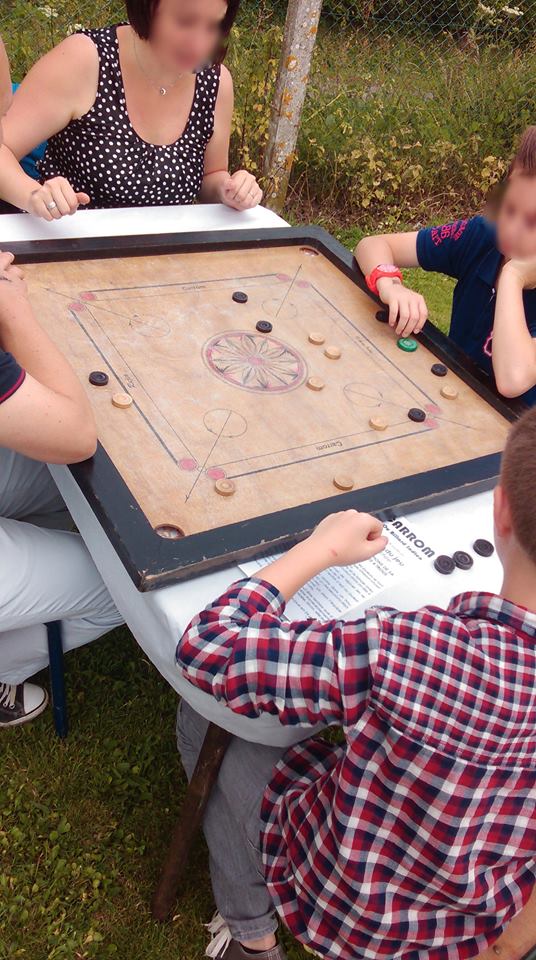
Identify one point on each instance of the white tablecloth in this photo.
(157, 619)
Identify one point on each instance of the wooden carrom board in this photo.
(215, 399)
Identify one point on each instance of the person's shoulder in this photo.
(482, 231)
(404, 632)
(226, 79)
(224, 86)
(78, 52)
(465, 228)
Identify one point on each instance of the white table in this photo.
(157, 619)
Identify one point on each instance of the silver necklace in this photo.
(162, 90)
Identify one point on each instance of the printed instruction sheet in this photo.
(337, 591)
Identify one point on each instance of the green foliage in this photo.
(253, 59)
(498, 20)
(30, 28)
(406, 133)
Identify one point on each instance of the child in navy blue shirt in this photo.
(494, 305)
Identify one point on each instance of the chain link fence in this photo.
(412, 106)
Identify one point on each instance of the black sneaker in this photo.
(21, 703)
(223, 947)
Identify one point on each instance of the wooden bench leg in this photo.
(197, 796)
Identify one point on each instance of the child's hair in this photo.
(524, 161)
(518, 478)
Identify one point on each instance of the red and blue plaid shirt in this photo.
(417, 837)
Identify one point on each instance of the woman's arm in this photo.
(49, 417)
(407, 310)
(240, 190)
(513, 347)
(60, 87)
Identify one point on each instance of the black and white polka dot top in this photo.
(102, 155)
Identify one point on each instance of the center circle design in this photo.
(254, 362)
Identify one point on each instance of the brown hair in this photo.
(524, 161)
(518, 478)
(141, 12)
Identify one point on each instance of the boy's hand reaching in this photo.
(339, 540)
(347, 537)
(407, 310)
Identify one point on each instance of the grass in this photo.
(83, 823)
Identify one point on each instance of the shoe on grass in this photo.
(223, 947)
(20, 703)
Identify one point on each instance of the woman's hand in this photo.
(240, 191)
(55, 199)
(407, 310)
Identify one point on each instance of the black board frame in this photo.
(152, 561)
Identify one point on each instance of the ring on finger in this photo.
(52, 205)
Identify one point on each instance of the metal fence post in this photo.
(301, 28)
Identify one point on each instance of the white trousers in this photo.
(45, 574)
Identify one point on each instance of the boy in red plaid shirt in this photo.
(415, 838)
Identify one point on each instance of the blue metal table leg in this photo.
(57, 678)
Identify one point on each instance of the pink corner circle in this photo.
(216, 473)
(87, 296)
(188, 463)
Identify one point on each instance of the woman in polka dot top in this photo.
(134, 115)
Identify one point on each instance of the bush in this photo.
(500, 20)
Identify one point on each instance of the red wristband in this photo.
(383, 270)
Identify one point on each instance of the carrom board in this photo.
(215, 399)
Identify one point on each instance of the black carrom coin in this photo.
(418, 416)
(444, 564)
(463, 560)
(98, 378)
(382, 316)
(484, 548)
(440, 370)
(263, 326)
(240, 297)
